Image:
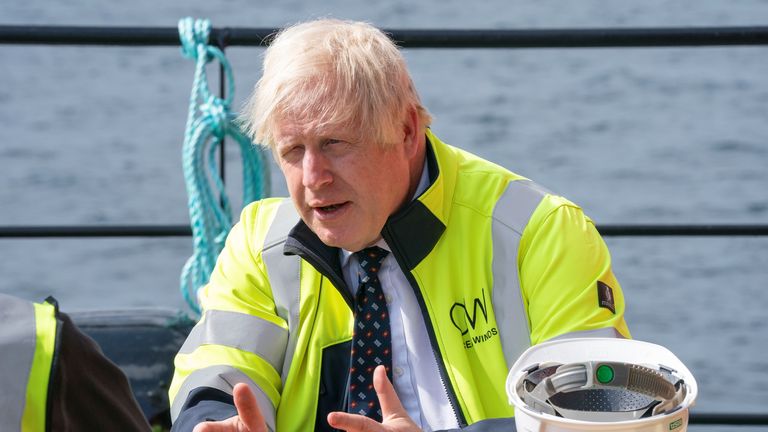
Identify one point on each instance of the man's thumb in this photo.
(390, 403)
(248, 408)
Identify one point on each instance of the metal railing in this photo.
(438, 38)
(656, 230)
(731, 419)
(435, 39)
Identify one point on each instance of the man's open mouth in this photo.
(331, 208)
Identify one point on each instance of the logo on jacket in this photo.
(605, 297)
(467, 319)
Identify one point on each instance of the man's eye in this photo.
(336, 144)
(290, 152)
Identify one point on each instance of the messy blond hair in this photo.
(333, 72)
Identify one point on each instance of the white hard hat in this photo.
(600, 384)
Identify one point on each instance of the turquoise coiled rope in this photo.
(208, 122)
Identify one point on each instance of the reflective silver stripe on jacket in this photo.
(284, 275)
(17, 349)
(510, 217)
(223, 378)
(241, 331)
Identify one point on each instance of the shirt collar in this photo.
(423, 184)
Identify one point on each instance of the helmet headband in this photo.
(601, 391)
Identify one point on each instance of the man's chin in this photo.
(331, 237)
(341, 240)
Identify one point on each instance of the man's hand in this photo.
(249, 418)
(394, 416)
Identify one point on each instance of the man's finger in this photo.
(248, 408)
(228, 425)
(353, 422)
(390, 403)
(249, 416)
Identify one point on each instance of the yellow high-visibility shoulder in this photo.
(559, 234)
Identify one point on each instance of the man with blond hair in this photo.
(403, 277)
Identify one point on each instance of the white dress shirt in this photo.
(414, 366)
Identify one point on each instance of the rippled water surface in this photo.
(92, 135)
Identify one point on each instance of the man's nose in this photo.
(316, 170)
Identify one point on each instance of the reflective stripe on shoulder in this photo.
(17, 349)
(222, 378)
(242, 331)
(510, 217)
(284, 276)
(46, 328)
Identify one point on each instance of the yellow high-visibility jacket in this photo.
(55, 378)
(28, 340)
(497, 264)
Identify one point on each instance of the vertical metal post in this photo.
(221, 41)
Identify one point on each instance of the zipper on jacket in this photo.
(326, 272)
(298, 248)
(450, 392)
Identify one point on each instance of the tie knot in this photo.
(370, 258)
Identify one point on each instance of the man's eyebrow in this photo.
(284, 142)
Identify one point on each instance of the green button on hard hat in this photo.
(604, 374)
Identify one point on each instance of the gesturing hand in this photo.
(394, 416)
(249, 418)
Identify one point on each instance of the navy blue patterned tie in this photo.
(371, 341)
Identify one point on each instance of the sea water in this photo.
(92, 135)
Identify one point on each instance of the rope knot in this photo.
(214, 113)
(194, 34)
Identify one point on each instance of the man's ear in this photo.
(411, 131)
